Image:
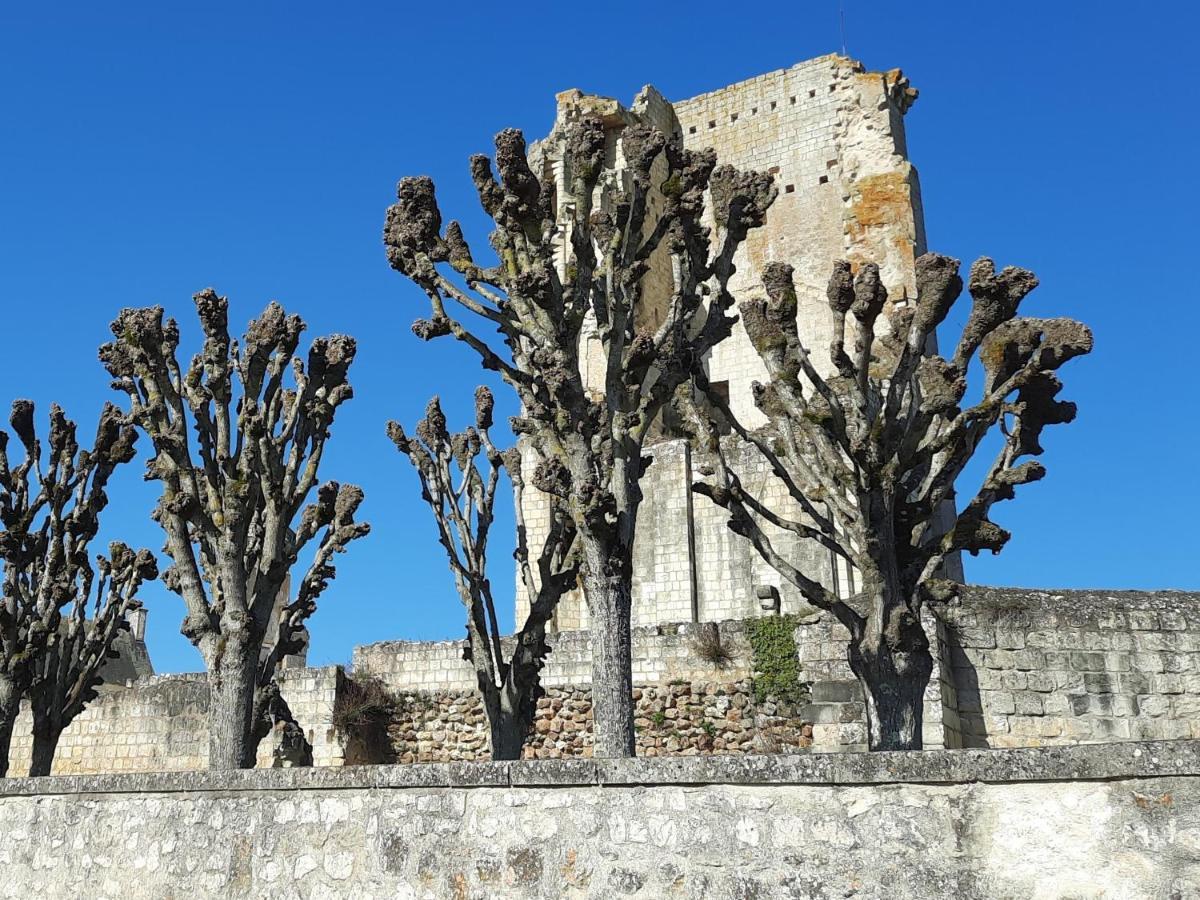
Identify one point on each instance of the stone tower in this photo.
(832, 134)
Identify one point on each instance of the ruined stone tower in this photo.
(832, 134)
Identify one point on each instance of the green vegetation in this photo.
(776, 668)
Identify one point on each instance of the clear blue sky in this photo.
(150, 150)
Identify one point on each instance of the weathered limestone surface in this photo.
(160, 723)
(1046, 666)
(1120, 820)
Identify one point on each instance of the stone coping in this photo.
(1080, 762)
(1083, 600)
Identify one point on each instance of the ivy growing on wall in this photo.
(776, 668)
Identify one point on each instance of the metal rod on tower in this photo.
(842, 23)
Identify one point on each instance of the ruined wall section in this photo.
(833, 136)
(160, 724)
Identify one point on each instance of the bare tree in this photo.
(569, 262)
(50, 516)
(68, 670)
(464, 514)
(871, 454)
(233, 506)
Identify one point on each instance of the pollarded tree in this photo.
(50, 516)
(233, 505)
(573, 267)
(68, 670)
(872, 453)
(463, 512)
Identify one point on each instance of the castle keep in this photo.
(832, 135)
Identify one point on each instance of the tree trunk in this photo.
(232, 684)
(10, 707)
(508, 725)
(45, 742)
(609, 608)
(893, 665)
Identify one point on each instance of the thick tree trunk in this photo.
(232, 743)
(45, 742)
(610, 611)
(10, 707)
(893, 665)
(509, 726)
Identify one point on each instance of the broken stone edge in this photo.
(1081, 762)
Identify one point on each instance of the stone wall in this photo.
(661, 653)
(1024, 668)
(1014, 668)
(1055, 667)
(1120, 820)
(685, 703)
(159, 724)
(683, 718)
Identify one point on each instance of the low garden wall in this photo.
(1102, 820)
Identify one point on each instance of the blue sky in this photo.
(150, 150)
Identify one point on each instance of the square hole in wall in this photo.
(692, 130)
(812, 93)
(754, 110)
(733, 117)
(789, 188)
(773, 104)
(832, 88)
(712, 123)
(793, 100)
(824, 179)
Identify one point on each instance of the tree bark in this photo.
(45, 742)
(610, 611)
(10, 707)
(232, 743)
(509, 726)
(893, 665)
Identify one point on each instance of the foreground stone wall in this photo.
(1119, 820)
